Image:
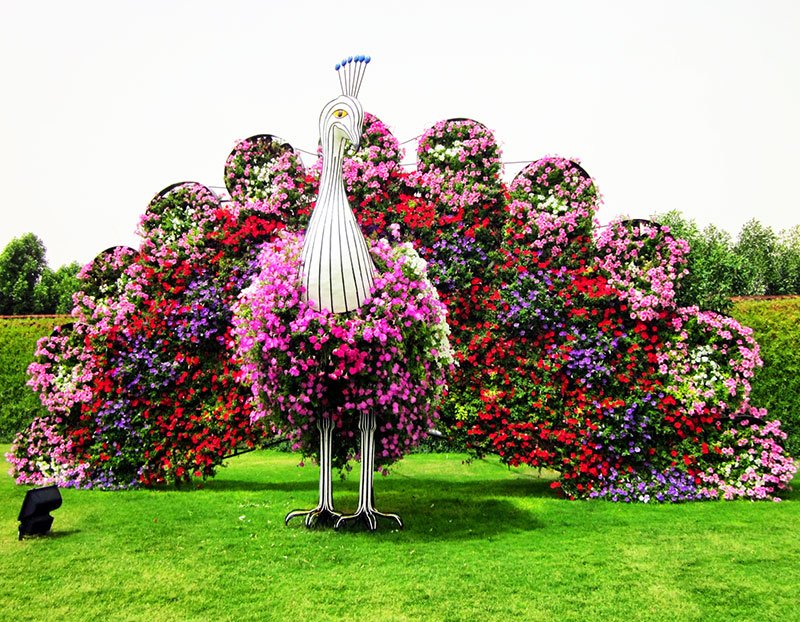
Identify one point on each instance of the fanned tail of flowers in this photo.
(568, 347)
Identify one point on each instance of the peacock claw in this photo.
(317, 517)
(368, 517)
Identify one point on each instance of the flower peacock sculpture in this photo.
(229, 327)
(335, 329)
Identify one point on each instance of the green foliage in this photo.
(787, 261)
(716, 264)
(481, 542)
(776, 386)
(712, 264)
(21, 264)
(28, 285)
(759, 263)
(755, 248)
(18, 404)
(53, 292)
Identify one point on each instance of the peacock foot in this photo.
(368, 517)
(318, 517)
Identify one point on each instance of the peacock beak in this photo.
(354, 136)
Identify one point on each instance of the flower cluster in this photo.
(302, 363)
(650, 487)
(644, 262)
(178, 221)
(570, 348)
(551, 210)
(46, 451)
(458, 173)
(751, 462)
(264, 174)
(141, 389)
(459, 170)
(708, 362)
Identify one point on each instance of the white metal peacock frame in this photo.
(338, 275)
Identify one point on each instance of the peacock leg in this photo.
(366, 511)
(324, 513)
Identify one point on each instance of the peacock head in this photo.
(341, 120)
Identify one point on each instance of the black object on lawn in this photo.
(34, 516)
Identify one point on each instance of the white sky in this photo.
(680, 104)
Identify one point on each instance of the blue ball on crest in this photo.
(360, 58)
(353, 73)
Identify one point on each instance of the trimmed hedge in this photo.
(776, 386)
(775, 322)
(18, 337)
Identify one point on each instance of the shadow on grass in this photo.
(52, 535)
(448, 518)
(433, 508)
(794, 494)
(236, 485)
(65, 533)
(438, 518)
(514, 486)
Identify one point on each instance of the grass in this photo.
(480, 543)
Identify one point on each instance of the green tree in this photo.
(711, 263)
(53, 292)
(755, 249)
(22, 263)
(716, 264)
(787, 261)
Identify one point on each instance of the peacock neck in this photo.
(331, 182)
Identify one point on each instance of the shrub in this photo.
(776, 386)
(18, 337)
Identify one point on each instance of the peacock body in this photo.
(338, 272)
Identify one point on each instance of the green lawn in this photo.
(480, 543)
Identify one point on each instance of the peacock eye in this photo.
(340, 114)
